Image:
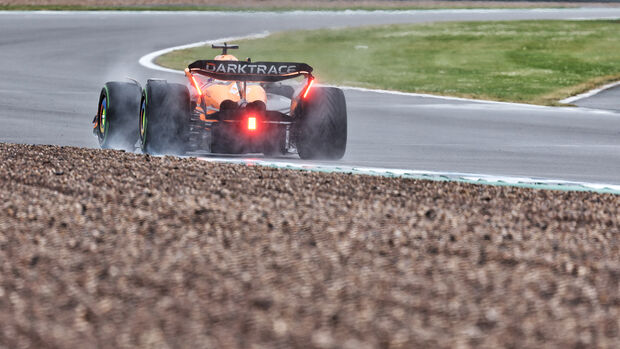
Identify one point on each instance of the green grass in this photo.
(536, 62)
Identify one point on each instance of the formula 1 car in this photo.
(227, 107)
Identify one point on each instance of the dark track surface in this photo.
(53, 64)
(608, 99)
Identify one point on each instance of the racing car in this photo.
(226, 106)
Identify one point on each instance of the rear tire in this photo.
(164, 118)
(322, 127)
(119, 104)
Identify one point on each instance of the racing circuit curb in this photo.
(515, 181)
(472, 178)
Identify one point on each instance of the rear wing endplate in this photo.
(250, 71)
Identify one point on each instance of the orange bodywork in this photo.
(214, 92)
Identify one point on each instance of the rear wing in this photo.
(250, 71)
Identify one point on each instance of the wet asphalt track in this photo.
(52, 66)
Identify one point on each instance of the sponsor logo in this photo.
(249, 68)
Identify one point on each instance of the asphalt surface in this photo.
(606, 99)
(53, 65)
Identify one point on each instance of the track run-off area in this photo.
(53, 65)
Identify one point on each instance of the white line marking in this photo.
(425, 95)
(148, 60)
(589, 93)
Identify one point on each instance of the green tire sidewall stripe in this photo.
(106, 126)
(144, 120)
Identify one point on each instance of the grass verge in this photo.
(539, 62)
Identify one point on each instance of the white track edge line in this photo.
(590, 93)
(148, 60)
(426, 95)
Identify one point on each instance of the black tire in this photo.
(119, 105)
(164, 118)
(322, 126)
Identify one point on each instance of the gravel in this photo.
(101, 248)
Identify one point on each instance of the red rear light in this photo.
(308, 88)
(196, 86)
(192, 79)
(251, 123)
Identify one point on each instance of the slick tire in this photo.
(322, 128)
(164, 118)
(119, 105)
